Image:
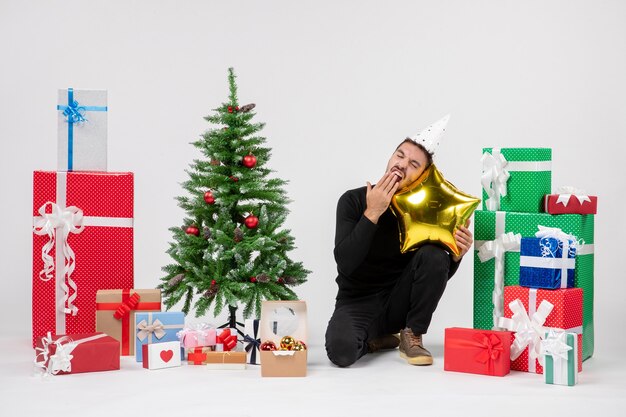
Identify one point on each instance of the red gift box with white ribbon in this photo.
(82, 242)
(531, 312)
(569, 200)
(77, 353)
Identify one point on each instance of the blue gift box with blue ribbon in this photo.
(156, 328)
(547, 263)
(82, 130)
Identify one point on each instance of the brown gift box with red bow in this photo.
(115, 313)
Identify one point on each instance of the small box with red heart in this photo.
(161, 355)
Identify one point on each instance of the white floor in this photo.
(378, 385)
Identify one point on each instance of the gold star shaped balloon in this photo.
(430, 210)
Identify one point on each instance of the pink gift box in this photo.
(197, 336)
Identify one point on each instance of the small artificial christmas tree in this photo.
(231, 250)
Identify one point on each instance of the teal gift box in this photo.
(560, 352)
(516, 179)
(489, 225)
(156, 328)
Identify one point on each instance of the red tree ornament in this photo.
(268, 345)
(192, 230)
(230, 109)
(253, 280)
(251, 221)
(235, 179)
(249, 161)
(208, 198)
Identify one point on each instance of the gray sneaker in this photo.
(388, 341)
(412, 350)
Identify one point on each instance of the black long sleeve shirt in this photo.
(368, 255)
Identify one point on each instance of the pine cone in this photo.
(215, 162)
(238, 235)
(247, 107)
(263, 278)
(210, 293)
(282, 240)
(290, 280)
(175, 280)
(206, 232)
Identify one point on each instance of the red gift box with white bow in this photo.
(77, 353)
(569, 200)
(82, 242)
(531, 312)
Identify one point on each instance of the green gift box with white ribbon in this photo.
(497, 235)
(560, 353)
(516, 179)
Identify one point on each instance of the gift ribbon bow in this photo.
(68, 220)
(494, 178)
(252, 344)
(555, 346)
(491, 348)
(566, 192)
(529, 330)
(228, 340)
(146, 329)
(127, 306)
(61, 360)
(72, 111)
(496, 249)
(568, 243)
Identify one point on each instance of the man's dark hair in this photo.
(429, 155)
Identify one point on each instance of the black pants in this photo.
(410, 303)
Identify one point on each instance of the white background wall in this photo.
(339, 84)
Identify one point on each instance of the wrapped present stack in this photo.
(83, 222)
(84, 305)
(534, 254)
